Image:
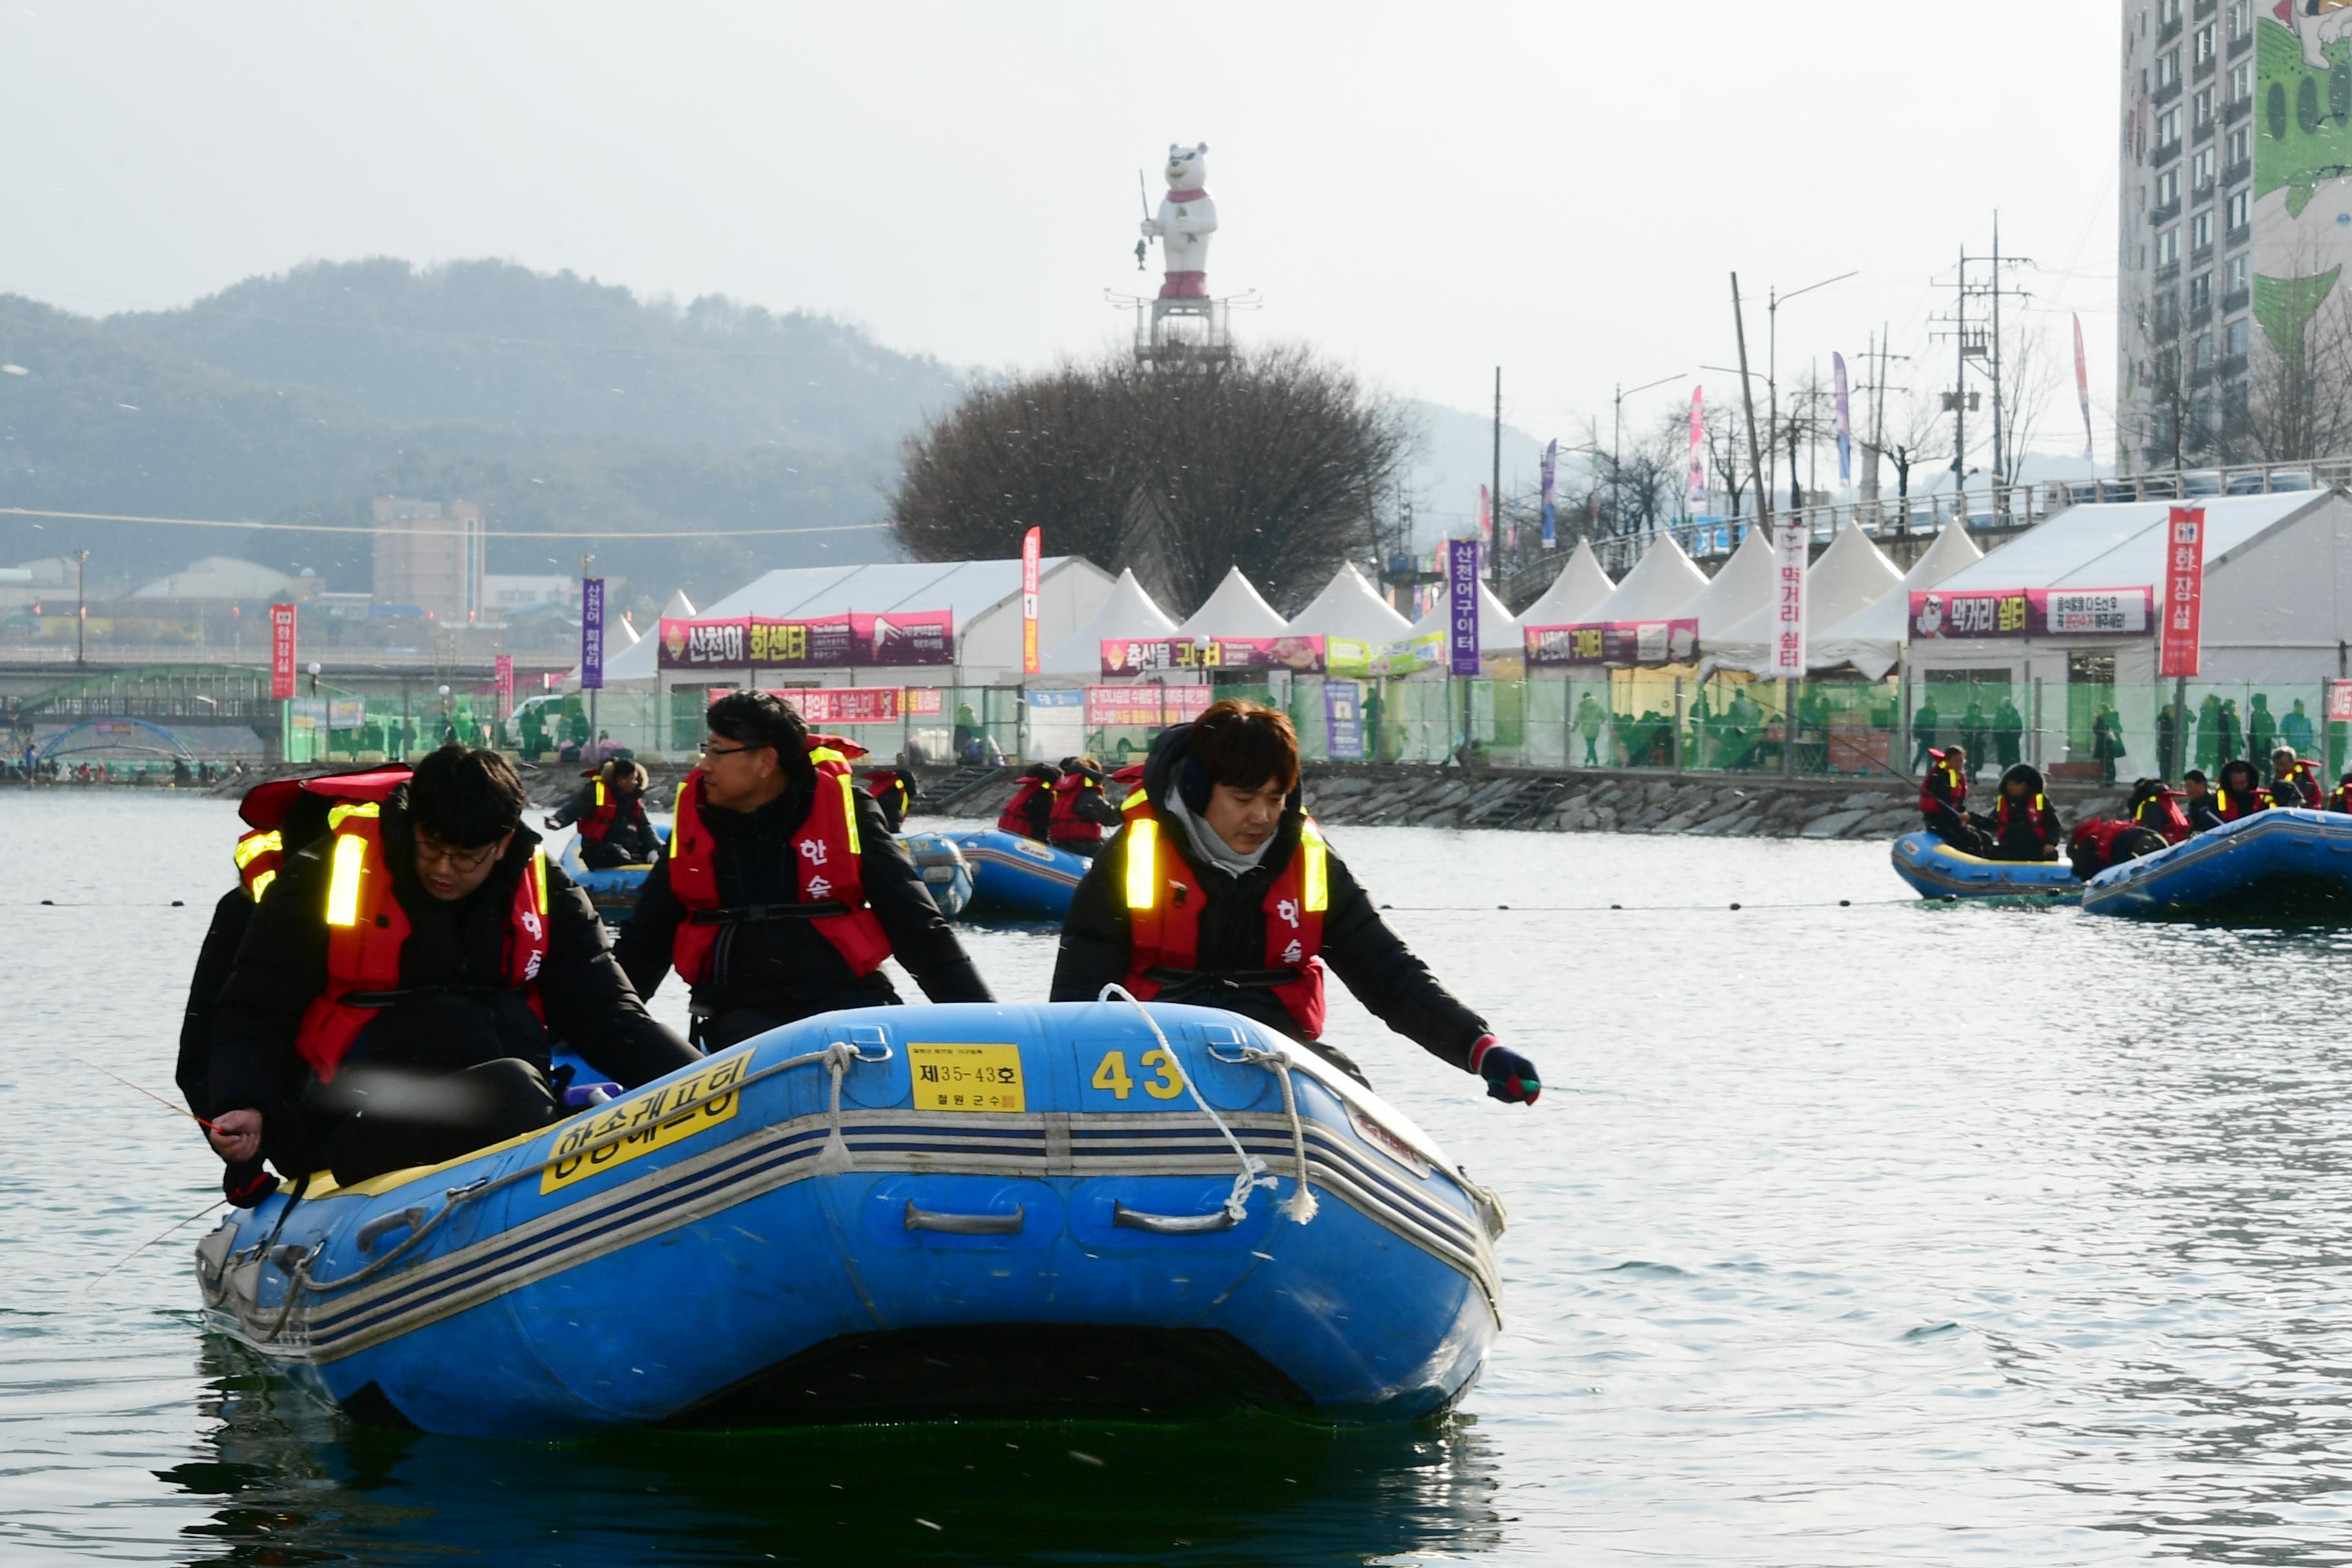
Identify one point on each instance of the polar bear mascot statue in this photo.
(1187, 218)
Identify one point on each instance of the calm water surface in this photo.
(1866, 1235)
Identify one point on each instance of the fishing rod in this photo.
(176, 1110)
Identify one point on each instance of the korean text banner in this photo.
(2034, 613)
(1614, 642)
(281, 650)
(592, 634)
(823, 642)
(1462, 606)
(846, 704)
(1144, 706)
(2182, 651)
(1148, 656)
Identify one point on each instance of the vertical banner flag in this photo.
(281, 650)
(1032, 544)
(2179, 651)
(505, 677)
(1694, 492)
(1788, 553)
(1550, 518)
(592, 634)
(1462, 606)
(1486, 518)
(2083, 386)
(1844, 423)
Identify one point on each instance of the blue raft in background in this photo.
(1012, 875)
(1939, 871)
(614, 890)
(2290, 864)
(890, 1213)
(943, 867)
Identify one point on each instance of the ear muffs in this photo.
(1192, 785)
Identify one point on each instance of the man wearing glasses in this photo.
(782, 890)
(394, 999)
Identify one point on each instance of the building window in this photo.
(2167, 68)
(2242, 144)
(2241, 209)
(2167, 187)
(2167, 127)
(2201, 168)
(2167, 11)
(2241, 82)
(2200, 231)
(2237, 337)
(2240, 266)
(2204, 107)
(2204, 350)
(2204, 43)
(2167, 248)
(2201, 291)
(2241, 19)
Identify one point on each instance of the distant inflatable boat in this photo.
(924, 1212)
(1012, 875)
(943, 870)
(1939, 871)
(615, 890)
(2291, 865)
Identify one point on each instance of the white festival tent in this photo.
(680, 608)
(1740, 588)
(1871, 639)
(1127, 613)
(1348, 608)
(1845, 579)
(1574, 595)
(1657, 588)
(1235, 610)
(1498, 629)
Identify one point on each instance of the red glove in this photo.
(1510, 1077)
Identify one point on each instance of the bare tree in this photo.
(1914, 431)
(2024, 396)
(1723, 437)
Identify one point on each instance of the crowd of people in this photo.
(388, 983)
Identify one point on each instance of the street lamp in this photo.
(1772, 367)
(314, 678)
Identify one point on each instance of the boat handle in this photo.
(1125, 1218)
(966, 1223)
(383, 1224)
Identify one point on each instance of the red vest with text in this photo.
(2036, 814)
(825, 868)
(1954, 797)
(1016, 818)
(1164, 900)
(604, 813)
(1066, 825)
(260, 852)
(2163, 814)
(366, 929)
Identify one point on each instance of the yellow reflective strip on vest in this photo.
(350, 808)
(1143, 863)
(849, 808)
(262, 884)
(260, 844)
(1315, 875)
(825, 754)
(600, 792)
(538, 876)
(343, 888)
(1137, 799)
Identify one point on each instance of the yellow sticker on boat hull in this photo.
(966, 1077)
(616, 1133)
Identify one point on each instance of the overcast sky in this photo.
(1428, 190)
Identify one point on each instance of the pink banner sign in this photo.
(823, 642)
(1151, 656)
(2182, 647)
(1612, 642)
(2034, 613)
(1144, 706)
(846, 704)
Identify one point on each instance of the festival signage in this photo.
(592, 633)
(1792, 548)
(1144, 706)
(346, 712)
(1152, 656)
(2182, 649)
(925, 702)
(1362, 661)
(821, 642)
(1343, 720)
(1551, 513)
(503, 684)
(1032, 549)
(1613, 643)
(1462, 606)
(846, 704)
(281, 650)
(2339, 701)
(2034, 613)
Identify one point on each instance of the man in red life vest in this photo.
(1081, 812)
(2163, 811)
(894, 789)
(2341, 798)
(1944, 803)
(782, 890)
(2025, 825)
(2294, 782)
(1029, 813)
(393, 1001)
(1220, 891)
(2239, 794)
(611, 811)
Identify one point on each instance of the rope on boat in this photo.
(1252, 1169)
(1654, 909)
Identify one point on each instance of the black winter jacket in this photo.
(785, 967)
(632, 831)
(1358, 945)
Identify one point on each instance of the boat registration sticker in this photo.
(616, 1133)
(966, 1077)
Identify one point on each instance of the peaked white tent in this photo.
(1129, 612)
(1235, 610)
(1659, 586)
(1871, 639)
(1741, 588)
(1498, 629)
(1574, 595)
(1847, 578)
(1348, 608)
(680, 608)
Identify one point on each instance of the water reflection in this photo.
(289, 1481)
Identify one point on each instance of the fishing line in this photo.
(151, 1240)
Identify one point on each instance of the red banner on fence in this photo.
(281, 650)
(1033, 544)
(1612, 642)
(503, 678)
(2034, 613)
(847, 704)
(1146, 655)
(822, 642)
(2182, 651)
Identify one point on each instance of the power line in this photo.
(512, 534)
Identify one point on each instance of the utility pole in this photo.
(1877, 388)
(1495, 488)
(81, 605)
(1747, 402)
(1999, 470)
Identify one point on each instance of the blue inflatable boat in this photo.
(1012, 875)
(614, 890)
(892, 1212)
(943, 867)
(1939, 871)
(2290, 865)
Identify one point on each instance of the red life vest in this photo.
(2229, 807)
(1064, 826)
(2098, 834)
(2342, 799)
(604, 813)
(2038, 817)
(889, 785)
(2302, 782)
(2163, 814)
(260, 852)
(1931, 803)
(1164, 900)
(825, 868)
(1017, 817)
(366, 929)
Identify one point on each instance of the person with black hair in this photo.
(1220, 890)
(1030, 812)
(897, 791)
(394, 1000)
(783, 891)
(2025, 825)
(1081, 814)
(2237, 793)
(610, 808)
(2162, 811)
